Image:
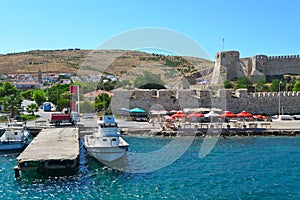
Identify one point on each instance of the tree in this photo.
(28, 94)
(7, 89)
(275, 85)
(243, 82)
(149, 79)
(290, 85)
(39, 96)
(12, 103)
(102, 102)
(65, 95)
(55, 92)
(32, 108)
(63, 103)
(261, 85)
(227, 84)
(10, 98)
(296, 87)
(106, 84)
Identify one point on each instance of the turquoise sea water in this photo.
(236, 168)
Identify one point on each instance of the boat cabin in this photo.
(108, 127)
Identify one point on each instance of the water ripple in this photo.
(237, 168)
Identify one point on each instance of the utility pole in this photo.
(47, 80)
(78, 109)
(223, 44)
(279, 106)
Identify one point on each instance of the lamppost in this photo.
(279, 99)
(47, 80)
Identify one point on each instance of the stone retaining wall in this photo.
(227, 99)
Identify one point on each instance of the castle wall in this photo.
(280, 65)
(234, 101)
(264, 66)
(144, 99)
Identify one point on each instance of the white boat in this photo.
(14, 138)
(106, 145)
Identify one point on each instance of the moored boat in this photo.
(14, 138)
(106, 145)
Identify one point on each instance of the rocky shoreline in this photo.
(212, 132)
(145, 129)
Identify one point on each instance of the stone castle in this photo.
(228, 66)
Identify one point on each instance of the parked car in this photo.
(141, 119)
(296, 117)
(283, 118)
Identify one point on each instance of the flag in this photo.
(73, 89)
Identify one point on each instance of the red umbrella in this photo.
(228, 114)
(244, 114)
(195, 114)
(178, 115)
(260, 117)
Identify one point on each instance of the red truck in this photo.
(58, 118)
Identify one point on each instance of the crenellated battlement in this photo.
(274, 94)
(235, 101)
(284, 57)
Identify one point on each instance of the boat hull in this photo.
(12, 146)
(107, 154)
(14, 138)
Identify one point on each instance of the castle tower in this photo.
(227, 67)
(259, 67)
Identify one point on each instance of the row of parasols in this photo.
(225, 114)
(181, 114)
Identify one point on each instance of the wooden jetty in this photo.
(53, 152)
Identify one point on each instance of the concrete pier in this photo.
(53, 152)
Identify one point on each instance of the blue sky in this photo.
(252, 27)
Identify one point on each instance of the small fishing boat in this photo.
(14, 138)
(106, 145)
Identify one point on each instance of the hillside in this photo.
(118, 62)
(32, 61)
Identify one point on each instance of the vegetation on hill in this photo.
(149, 80)
(262, 86)
(56, 61)
(77, 61)
(107, 84)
